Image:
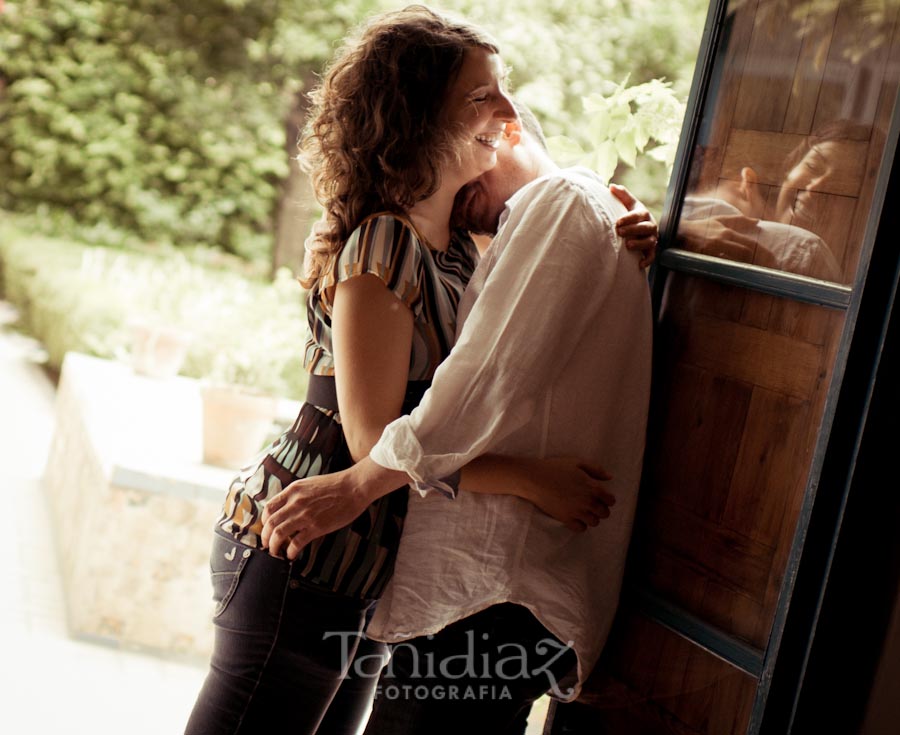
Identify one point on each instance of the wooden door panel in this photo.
(765, 90)
(766, 476)
(704, 408)
(750, 355)
(851, 88)
(723, 554)
(653, 681)
(729, 457)
(804, 323)
(810, 70)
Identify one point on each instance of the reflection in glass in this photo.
(774, 227)
(783, 171)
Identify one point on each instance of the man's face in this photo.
(480, 203)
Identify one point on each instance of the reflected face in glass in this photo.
(811, 174)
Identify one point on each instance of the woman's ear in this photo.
(512, 131)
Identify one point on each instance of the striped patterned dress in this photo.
(358, 559)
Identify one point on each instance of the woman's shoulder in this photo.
(387, 226)
(384, 244)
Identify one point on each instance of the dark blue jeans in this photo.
(478, 676)
(282, 649)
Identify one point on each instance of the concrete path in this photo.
(49, 682)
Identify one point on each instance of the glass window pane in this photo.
(784, 167)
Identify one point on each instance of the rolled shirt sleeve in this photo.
(556, 256)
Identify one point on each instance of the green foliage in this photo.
(622, 124)
(77, 297)
(164, 120)
(127, 115)
(161, 118)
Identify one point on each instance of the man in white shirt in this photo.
(715, 224)
(552, 359)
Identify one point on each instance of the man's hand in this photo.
(731, 236)
(569, 490)
(638, 227)
(312, 507)
(307, 509)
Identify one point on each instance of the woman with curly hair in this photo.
(411, 109)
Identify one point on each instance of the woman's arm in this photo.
(372, 339)
(371, 343)
(311, 507)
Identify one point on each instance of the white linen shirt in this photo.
(553, 359)
(792, 248)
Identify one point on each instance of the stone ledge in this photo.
(133, 507)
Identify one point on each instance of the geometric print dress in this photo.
(356, 560)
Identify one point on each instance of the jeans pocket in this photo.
(226, 565)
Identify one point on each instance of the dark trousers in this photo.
(478, 675)
(282, 649)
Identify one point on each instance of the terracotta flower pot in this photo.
(236, 422)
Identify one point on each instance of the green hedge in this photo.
(85, 298)
(147, 117)
(165, 120)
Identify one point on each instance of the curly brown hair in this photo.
(377, 136)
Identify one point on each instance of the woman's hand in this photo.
(568, 489)
(638, 227)
(314, 506)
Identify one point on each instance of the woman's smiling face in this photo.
(478, 104)
(811, 174)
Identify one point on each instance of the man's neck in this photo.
(540, 164)
(544, 165)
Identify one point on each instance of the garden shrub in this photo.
(85, 298)
(150, 117)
